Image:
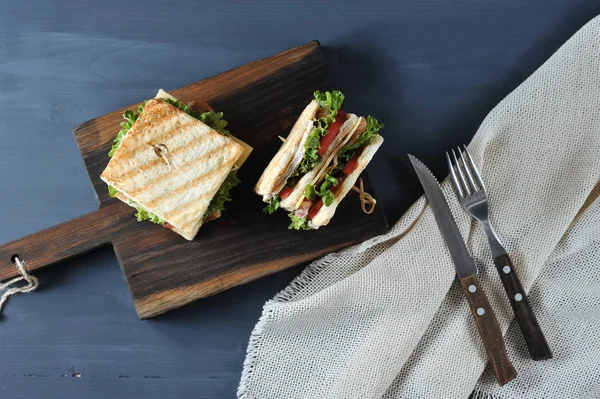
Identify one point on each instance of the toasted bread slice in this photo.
(180, 190)
(203, 106)
(325, 214)
(212, 216)
(289, 156)
(294, 200)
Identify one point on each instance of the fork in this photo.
(470, 190)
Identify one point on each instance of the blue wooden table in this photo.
(430, 69)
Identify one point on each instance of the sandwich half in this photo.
(319, 162)
(175, 165)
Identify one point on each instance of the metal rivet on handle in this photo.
(518, 297)
(472, 288)
(481, 311)
(506, 269)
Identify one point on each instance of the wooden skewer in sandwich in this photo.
(174, 165)
(319, 162)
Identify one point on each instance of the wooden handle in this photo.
(488, 329)
(64, 240)
(534, 337)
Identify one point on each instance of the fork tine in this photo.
(467, 171)
(474, 168)
(465, 185)
(455, 182)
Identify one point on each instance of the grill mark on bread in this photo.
(198, 149)
(187, 208)
(148, 185)
(187, 216)
(182, 212)
(177, 129)
(153, 203)
(161, 113)
(129, 154)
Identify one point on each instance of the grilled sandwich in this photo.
(320, 162)
(174, 165)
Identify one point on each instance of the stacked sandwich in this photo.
(319, 162)
(174, 163)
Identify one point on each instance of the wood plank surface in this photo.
(66, 240)
(430, 69)
(261, 101)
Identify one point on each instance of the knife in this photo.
(466, 270)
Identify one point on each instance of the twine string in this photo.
(32, 282)
(367, 202)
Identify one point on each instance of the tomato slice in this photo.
(317, 207)
(314, 209)
(332, 132)
(350, 166)
(286, 192)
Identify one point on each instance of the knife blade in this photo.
(464, 264)
(466, 270)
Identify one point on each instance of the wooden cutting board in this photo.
(261, 100)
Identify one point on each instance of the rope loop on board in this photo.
(9, 286)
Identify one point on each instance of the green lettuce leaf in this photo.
(297, 223)
(222, 196)
(333, 102)
(217, 203)
(311, 192)
(179, 105)
(142, 215)
(214, 120)
(130, 118)
(328, 197)
(112, 191)
(273, 205)
(349, 150)
(345, 154)
(323, 192)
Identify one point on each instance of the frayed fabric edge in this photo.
(286, 295)
(484, 395)
(306, 277)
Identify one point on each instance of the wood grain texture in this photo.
(489, 329)
(430, 70)
(66, 240)
(261, 100)
(530, 328)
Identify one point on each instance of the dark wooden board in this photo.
(261, 100)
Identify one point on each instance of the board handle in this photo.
(65, 240)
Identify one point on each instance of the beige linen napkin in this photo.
(386, 319)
